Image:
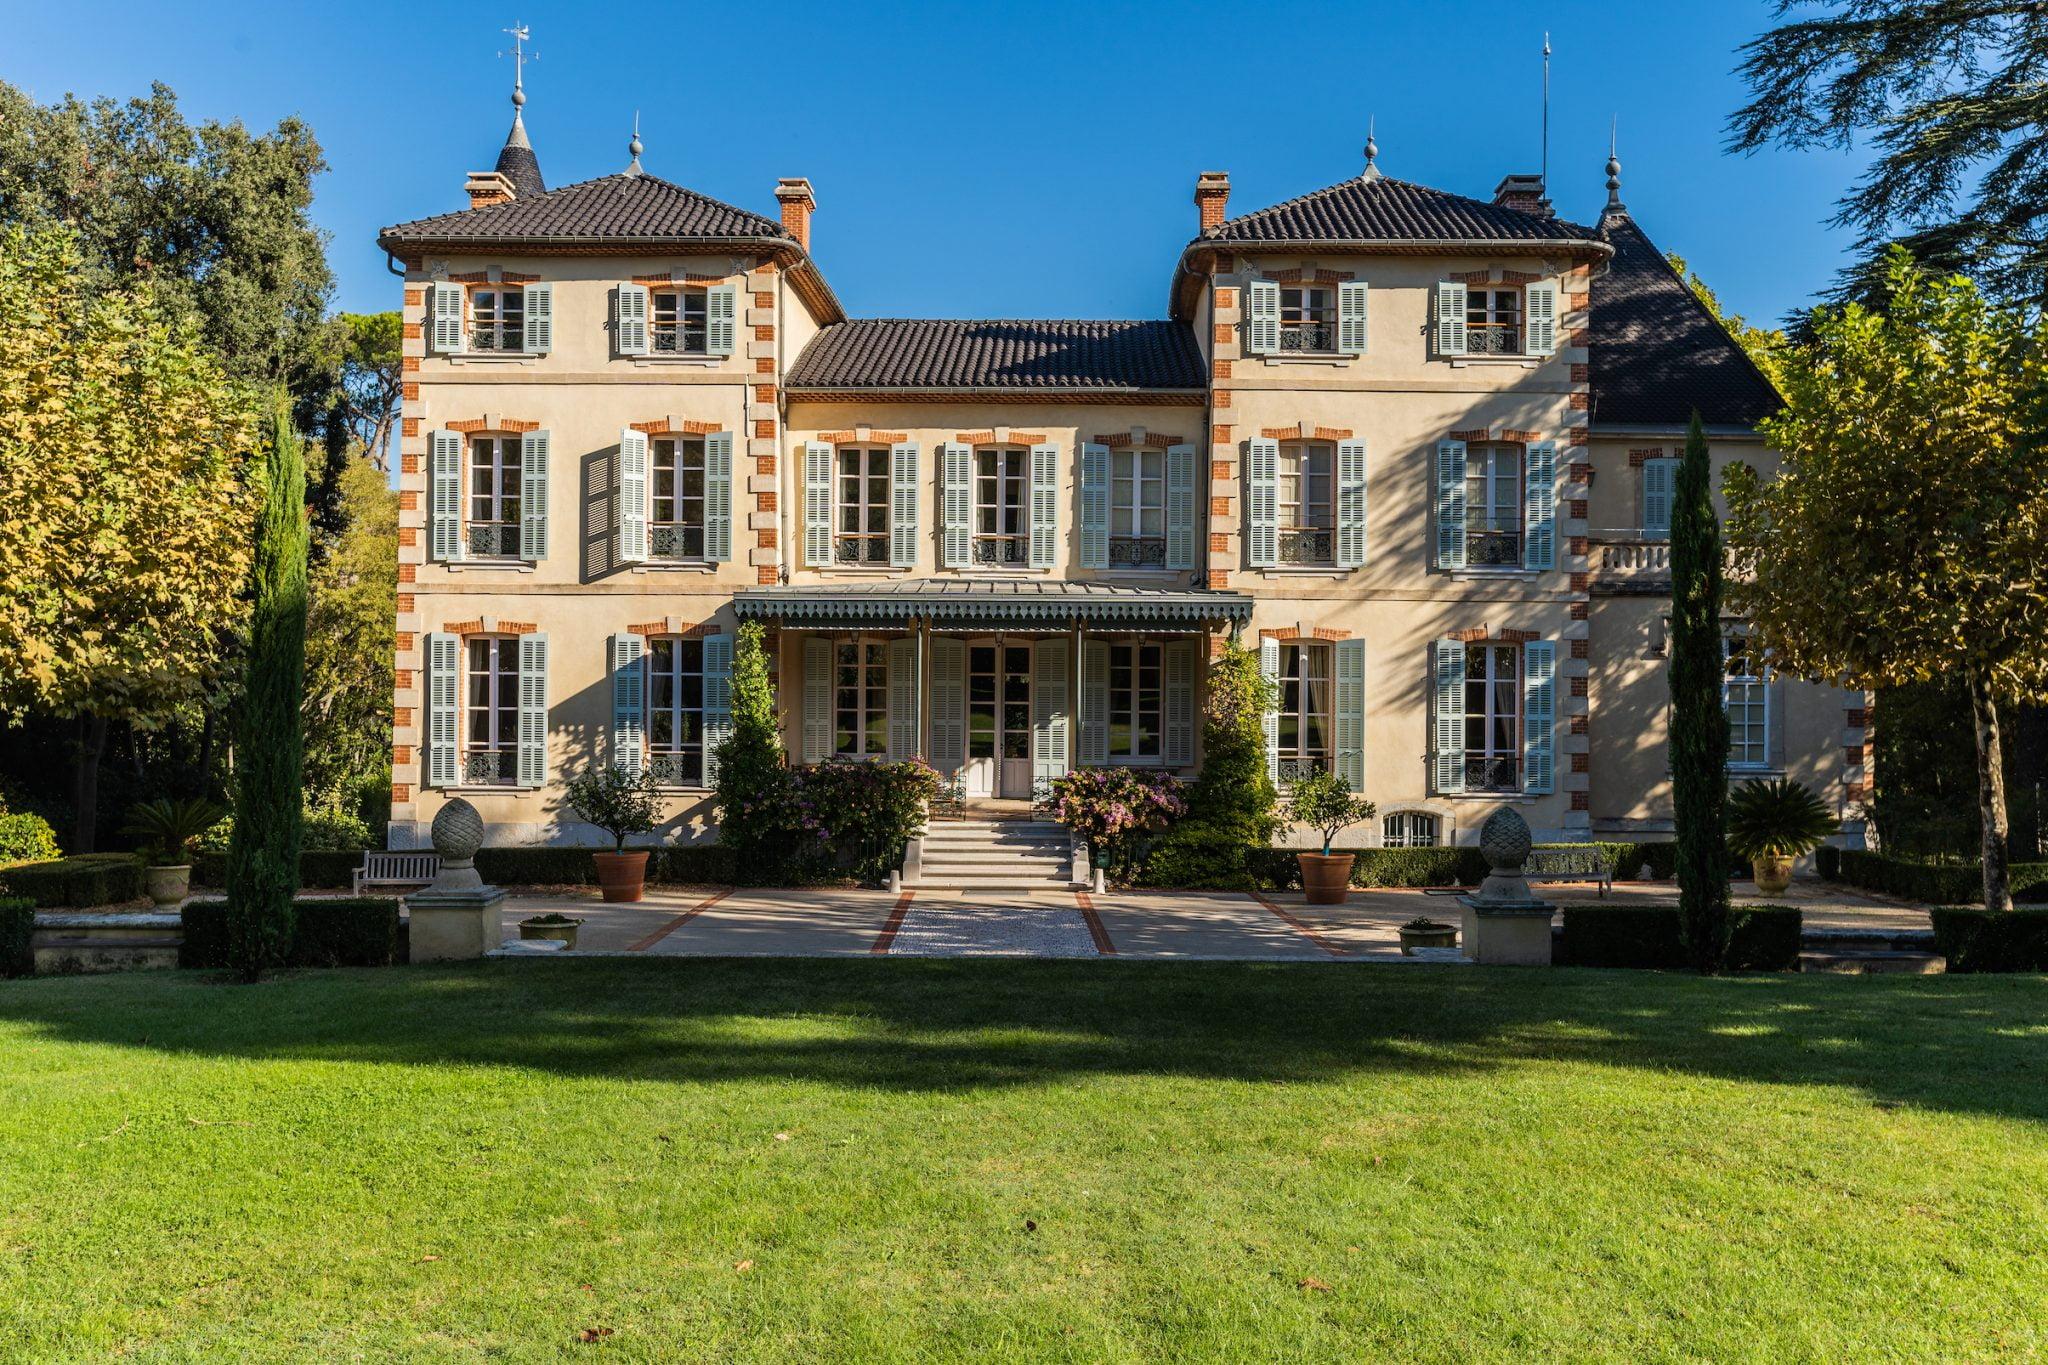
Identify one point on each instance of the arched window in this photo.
(1409, 829)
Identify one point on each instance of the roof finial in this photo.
(634, 146)
(519, 33)
(1544, 169)
(1614, 203)
(1372, 150)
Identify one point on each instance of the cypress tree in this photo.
(757, 816)
(1699, 727)
(263, 856)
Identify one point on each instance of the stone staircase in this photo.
(992, 855)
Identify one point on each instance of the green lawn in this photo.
(845, 1161)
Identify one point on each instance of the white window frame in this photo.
(1751, 691)
(490, 338)
(1411, 829)
(676, 527)
(1297, 506)
(1134, 702)
(1498, 701)
(870, 697)
(670, 761)
(1485, 320)
(1298, 760)
(1136, 492)
(497, 506)
(684, 319)
(1005, 472)
(1496, 504)
(1308, 325)
(498, 710)
(857, 497)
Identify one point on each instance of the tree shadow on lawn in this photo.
(1962, 1043)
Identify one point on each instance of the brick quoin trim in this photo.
(409, 392)
(1580, 649)
(408, 364)
(1219, 507)
(1219, 470)
(764, 502)
(764, 464)
(1219, 543)
(1576, 545)
(687, 630)
(1220, 434)
(1293, 275)
(401, 715)
(1576, 436)
(846, 438)
(1294, 633)
(764, 333)
(404, 603)
(764, 428)
(410, 331)
(1579, 400)
(764, 300)
(1521, 434)
(408, 535)
(1226, 297)
(1225, 334)
(1579, 725)
(1518, 277)
(1576, 509)
(1582, 374)
(1302, 431)
(471, 425)
(1220, 369)
(415, 298)
(1578, 687)
(1582, 582)
(764, 393)
(409, 464)
(1582, 800)
(1154, 440)
(408, 426)
(1855, 717)
(1577, 302)
(1580, 761)
(765, 538)
(1579, 610)
(476, 627)
(408, 573)
(764, 575)
(764, 364)
(664, 427)
(408, 500)
(401, 753)
(1218, 580)
(402, 641)
(401, 792)
(401, 679)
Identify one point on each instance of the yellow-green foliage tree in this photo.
(349, 641)
(1905, 536)
(124, 513)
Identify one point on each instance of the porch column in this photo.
(1074, 700)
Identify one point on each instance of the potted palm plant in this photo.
(1323, 801)
(1771, 823)
(622, 804)
(167, 829)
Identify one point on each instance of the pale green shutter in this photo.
(1351, 317)
(1182, 524)
(956, 504)
(1539, 546)
(533, 495)
(1269, 668)
(1541, 302)
(444, 310)
(1045, 506)
(818, 504)
(1262, 503)
(444, 653)
(903, 738)
(1449, 714)
(629, 702)
(540, 318)
(1350, 504)
(1450, 504)
(1657, 489)
(632, 496)
(1050, 722)
(949, 703)
(1095, 505)
(718, 497)
(1262, 317)
(1094, 702)
(1450, 318)
(904, 488)
(630, 332)
(1350, 662)
(1539, 713)
(721, 319)
(717, 701)
(533, 710)
(817, 699)
(1179, 746)
(444, 496)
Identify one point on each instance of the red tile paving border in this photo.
(895, 922)
(679, 921)
(1096, 929)
(1311, 935)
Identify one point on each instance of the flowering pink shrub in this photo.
(861, 813)
(1112, 808)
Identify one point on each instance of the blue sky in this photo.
(1029, 160)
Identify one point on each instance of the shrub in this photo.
(17, 928)
(1928, 883)
(860, 815)
(622, 802)
(756, 796)
(1761, 937)
(1193, 856)
(1112, 809)
(1323, 801)
(169, 828)
(26, 837)
(1777, 818)
(327, 933)
(327, 831)
(1232, 800)
(81, 882)
(1980, 940)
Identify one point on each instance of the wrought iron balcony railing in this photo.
(490, 767)
(1493, 549)
(675, 540)
(1493, 338)
(1493, 773)
(670, 338)
(494, 540)
(999, 550)
(1308, 337)
(1306, 545)
(498, 336)
(1137, 552)
(864, 548)
(677, 767)
(1292, 770)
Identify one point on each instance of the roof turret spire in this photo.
(1372, 150)
(634, 148)
(1614, 204)
(516, 161)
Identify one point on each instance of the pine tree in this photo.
(263, 857)
(1699, 727)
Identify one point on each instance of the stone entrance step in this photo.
(1873, 962)
(990, 855)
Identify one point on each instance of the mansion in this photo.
(1416, 447)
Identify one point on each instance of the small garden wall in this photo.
(1929, 883)
(325, 933)
(1275, 869)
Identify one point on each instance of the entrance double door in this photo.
(999, 717)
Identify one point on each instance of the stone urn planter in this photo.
(169, 884)
(1427, 933)
(1772, 822)
(621, 877)
(560, 928)
(1326, 877)
(1772, 872)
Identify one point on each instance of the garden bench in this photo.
(407, 868)
(1587, 864)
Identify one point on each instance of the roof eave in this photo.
(939, 393)
(1589, 247)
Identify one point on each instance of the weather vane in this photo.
(519, 33)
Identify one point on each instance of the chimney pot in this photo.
(1212, 192)
(488, 187)
(1524, 193)
(798, 204)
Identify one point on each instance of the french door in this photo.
(999, 718)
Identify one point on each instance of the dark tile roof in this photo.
(1376, 208)
(1047, 356)
(625, 207)
(1656, 353)
(518, 164)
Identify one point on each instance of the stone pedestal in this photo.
(1511, 938)
(1504, 924)
(458, 916)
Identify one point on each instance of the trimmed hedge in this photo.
(17, 927)
(320, 869)
(1765, 937)
(1191, 868)
(334, 869)
(79, 882)
(362, 932)
(1980, 940)
(1931, 883)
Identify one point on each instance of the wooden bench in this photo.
(1579, 864)
(406, 868)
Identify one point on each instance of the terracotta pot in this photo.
(1326, 877)
(1772, 875)
(167, 885)
(565, 934)
(1443, 936)
(622, 876)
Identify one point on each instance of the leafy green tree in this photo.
(123, 510)
(1699, 727)
(1905, 535)
(756, 796)
(371, 385)
(1761, 344)
(1947, 94)
(1231, 804)
(263, 855)
(349, 641)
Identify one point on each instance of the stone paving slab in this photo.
(771, 922)
(977, 924)
(1201, 924)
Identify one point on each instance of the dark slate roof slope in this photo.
(1374, 208)
(1054, 355)
(625, 207)
(1656, 353)
(518, 164)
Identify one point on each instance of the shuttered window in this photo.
(674, 670)
(1493, 506)
(1137, 702)
(1493, 718)
(497, 318)
(1307, 716)
(1659, 476)
(1002, 513)
(490, 723)
(679, 322)
(495, 487)
(1137, 509)
(1308, 319)
(1306, 502)
(860, 698)
(675, 528)
(861, 509)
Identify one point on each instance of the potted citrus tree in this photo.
(167, 830)
(1771, 823)
(1323, 801)
(622, 804)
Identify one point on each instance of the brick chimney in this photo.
(487, 187)
(798, 204)
(1212, 192)
(1525, 194)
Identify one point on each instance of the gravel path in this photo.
(992, 928)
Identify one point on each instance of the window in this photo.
(1660, 477)
(494, 497)
(1000, 516)
(490, 749)
(497, 318)
(1308, 319)
(675, 530)
(675, 711)
(1493, 506)
(1409, 829)
(1306, 707)
(1493, 718)
(863, 528)
(1746, 697)
(677, 322)
(1305, 500)
(861, 699)
(1493, 321)
(1136, 702)
(1137, 509)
